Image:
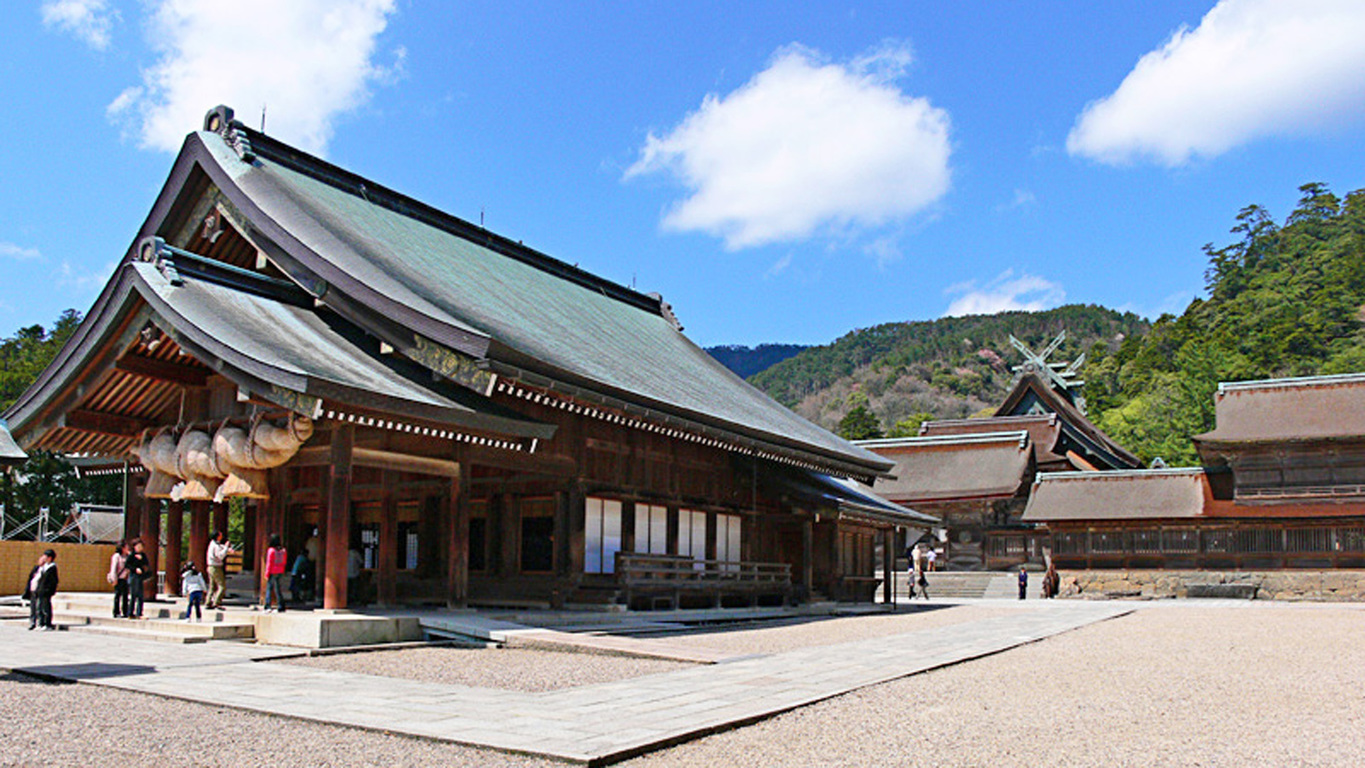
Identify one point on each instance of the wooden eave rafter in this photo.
(162, 370)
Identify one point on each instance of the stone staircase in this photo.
(161, 621)
(974, 585)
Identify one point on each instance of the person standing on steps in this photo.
(139, 568)
(1023, 583)
(41, 586)
(118, 576)
(216, 559)
(192, 584)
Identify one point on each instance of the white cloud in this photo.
(806, 144)
(885, 251)
(306, 61)
(1253, 68)
(1022, 198)
(12, 251)
(1003, 294)
(80, 281)
(90, 21)
(779, 266)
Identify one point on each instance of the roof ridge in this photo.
(1294, 381)
(262, 145)
(1020, 436)
(1119, 474)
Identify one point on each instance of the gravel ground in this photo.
(1169, 685)
(83, 725)
(783, 636)
(513, 669)
(1177, 685)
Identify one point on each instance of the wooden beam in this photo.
(105, 423)
(386, 570)
(457, 593)
(175, 521)
(162, 370)
(378, 459)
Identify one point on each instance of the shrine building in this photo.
(1282, 486)
(484, 423)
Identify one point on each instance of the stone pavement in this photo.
(590, 724)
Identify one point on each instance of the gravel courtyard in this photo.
(1172, 684)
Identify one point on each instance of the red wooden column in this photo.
(151, 542)
(338, 542)
(386, 570)
(199, 534)
(132, 504)
(458, 580)
(175, 528)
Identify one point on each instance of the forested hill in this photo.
(746, 361)
(1283, 300)
(946, 368)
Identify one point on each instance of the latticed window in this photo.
(1069, 543)
(1108, 541)
(1219, 541)
(1351, 539)
(1146, 542)
(1180, 540)
(1258, 540)
(1308, 540)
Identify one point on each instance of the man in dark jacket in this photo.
(42, 585)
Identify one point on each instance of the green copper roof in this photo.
(537, 314)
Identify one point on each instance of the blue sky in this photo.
(779, 172)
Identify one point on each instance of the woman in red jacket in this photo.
(275, 558)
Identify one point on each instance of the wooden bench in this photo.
(656, 580)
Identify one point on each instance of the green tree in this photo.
(909, 426)
(860, 424)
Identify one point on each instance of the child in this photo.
(192, 584)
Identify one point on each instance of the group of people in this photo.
(1051, 582)
(129, 569)
(920, 562)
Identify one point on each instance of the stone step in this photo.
(137, 634)
(207, 629)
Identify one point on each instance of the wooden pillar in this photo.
(563, 554)
(151, 542)
(219, 517)
(338, 542)
(888, 566)
(386, 569)
(458, 581)
(807, 554)
(175, 534)
(132, 505)
(578, 527)
(199, 534)
(510, 518)
(249, 548)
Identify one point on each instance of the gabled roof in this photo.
(275, 345)
(994, 465)
(1142, 494)
(1033, 395)
(1043, 428)
(400, 268)
(1275, 410)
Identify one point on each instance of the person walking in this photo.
(139, 569)
(41, 586)
(192, 584)
(216, 560)
(1023, 583)
(1051, 582)
(118, 576)
(275, 558)
(923, 585)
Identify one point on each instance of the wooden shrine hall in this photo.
(481, 422)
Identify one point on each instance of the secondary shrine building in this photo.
(1282, 486)
(482, 422)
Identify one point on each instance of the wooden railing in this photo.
(670, 577)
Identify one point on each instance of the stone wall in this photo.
(1340, 585)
